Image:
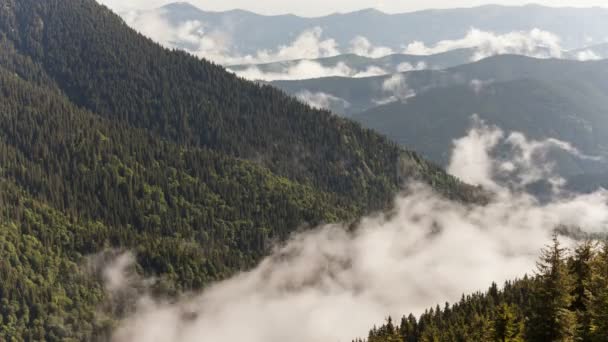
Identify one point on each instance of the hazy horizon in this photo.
(319, 8)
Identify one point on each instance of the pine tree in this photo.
(598, 299)
(507, 325)
(580, 268)
(551, 318)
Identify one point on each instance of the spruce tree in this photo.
(581, 270)
(598, 302)
(551, 318)
(507, 325)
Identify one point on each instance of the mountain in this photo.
(364, 93)
(544, 99)
(358, 66)
(250, 32)
(425, 110)
(432, 120)
(352, 65)
(110, 143)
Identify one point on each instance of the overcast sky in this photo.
(322, 7)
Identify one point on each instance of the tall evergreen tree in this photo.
(598, 302)
(551, 318)
(580, 267)
(507, 324)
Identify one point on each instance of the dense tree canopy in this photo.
(108, 141)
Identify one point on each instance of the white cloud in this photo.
(300, 70)
(535, 43)
(118, 273)
(190, 36)
(479, 85)
(334, 283)
(587, 55)
(370, 71)
(363, 47)
(214, 45)
(307, 69)
(405, 66)
(397, 89)
(323, 101)
(309, 45)
(528, 161)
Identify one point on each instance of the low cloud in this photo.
(528, 160)
(307, 69)
(322, 100)
(534, 43)
(587, 55)
(202, 41)
(396, 89)
(334, 283)
(300, 70)
(118, 274)
(363, 47)
(479, 85)
(191, 36)
(405, 66)
(309, 45)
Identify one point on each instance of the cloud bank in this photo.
(535, 43)
(334, 283)
(307, 69)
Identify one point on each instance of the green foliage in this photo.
(598, 295)
(507, 325)
(109, 141)
(551, 316)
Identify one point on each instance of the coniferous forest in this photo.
(566, 299)
(110, 142)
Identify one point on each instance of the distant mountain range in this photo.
(426, 110)
(352, 65)
(249, 32)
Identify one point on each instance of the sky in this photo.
(323, 7)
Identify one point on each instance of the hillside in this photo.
(537, 109)
(543, 98)
(109, 142)
(364, 93)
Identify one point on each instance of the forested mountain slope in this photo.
(541, 110)
(543, 98)
(108, 141)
